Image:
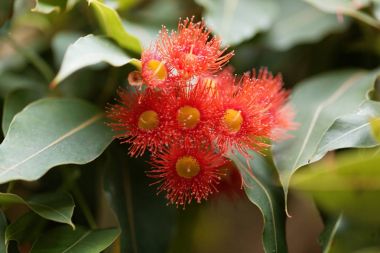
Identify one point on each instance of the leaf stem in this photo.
(33, 58)
(84, 206)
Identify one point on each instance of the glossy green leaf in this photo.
(14, 103)
(87, 51)
(238, 20)
(80, 240)
(3, 226)
(262, 190)
(318, 102)
(51, 132)
(350, 131)
(111, 23)
(58, 207)
(297, 23)
(350, 184)
(349, 8)
(49, 6)
(135, 205)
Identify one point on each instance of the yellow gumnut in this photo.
(187, 167)
(158, 69)
(148, 120)
(232, 120)
(188, 117)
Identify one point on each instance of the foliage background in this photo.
(56, 154)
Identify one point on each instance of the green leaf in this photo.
(111, 23)
(121, 4)
(51, 132)
(261, 190)
(14, 103)
(350, 185)
(349, 8)
(238, 20)
(60, 42)
(80, 240)
(57, 207)
(342, 235)
(135, 204)
(26, 228)
(87, 51)
(3, 226)
(350, 131)
(318, 102)
(375, 127)
(49, 6)
(10, 82)
(328, 235)
(297, 23)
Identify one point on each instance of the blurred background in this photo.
(296, 38)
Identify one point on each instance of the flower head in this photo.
(155, 71)
(191, 111)
(191, 51)
(248, 117)
(186, 173)
(140, 117)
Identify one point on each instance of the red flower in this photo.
(191, 110)
(248, 117)
(191, 52)
(141, 119)
(154, 70)
(186, 173)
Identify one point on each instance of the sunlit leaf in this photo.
(111, 23)
(238, 20)
(57, 207)
(259, 185)
(351, 130)
(52, 132)
(318, 102)
(87, 51)
(80, 240)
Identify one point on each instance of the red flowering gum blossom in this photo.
(250, 116)
(191, 51)
(221, 84)
(155, 71)
(140, 117)
(191, 111)
(186, 173)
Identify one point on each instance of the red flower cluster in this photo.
(191, 112)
